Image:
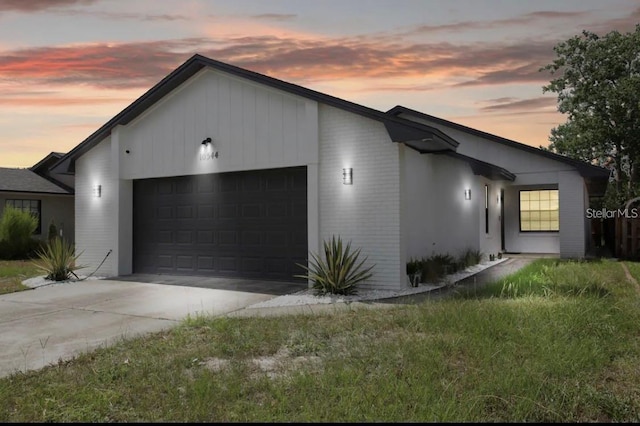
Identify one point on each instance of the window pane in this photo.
(539, 210)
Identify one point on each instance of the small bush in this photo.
(413, 266)
(337, 272)
(470, 257)
(53, 230)
(16, 230)
(58, 260)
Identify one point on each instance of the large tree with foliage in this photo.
(597, 79)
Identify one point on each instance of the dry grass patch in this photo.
(13, 272)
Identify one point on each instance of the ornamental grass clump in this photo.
(338, 271)
(58, 260)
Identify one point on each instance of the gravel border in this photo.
(306, 297)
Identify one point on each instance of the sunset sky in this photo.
(68, 66)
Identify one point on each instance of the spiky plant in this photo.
(58, 260)
(338, 271)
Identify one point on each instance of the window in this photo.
(31, 206)
(486, 209)
(539, 211)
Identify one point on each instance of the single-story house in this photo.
(221, 171)
(48, 196)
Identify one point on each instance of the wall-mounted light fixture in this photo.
(206, 142)
(127, 151)
(347, 176)
(467, 194)
(97, 191)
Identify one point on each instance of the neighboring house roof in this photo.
(418, 136)
(585, 169)
(26, 180)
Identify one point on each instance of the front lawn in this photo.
(13, 272)
(557, 342)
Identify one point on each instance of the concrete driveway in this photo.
(39, 327)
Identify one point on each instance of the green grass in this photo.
(13, 272)
(557, 342)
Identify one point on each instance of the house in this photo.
(221, 171)
(48, 196)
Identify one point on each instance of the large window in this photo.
(31, 206)
(539, 211)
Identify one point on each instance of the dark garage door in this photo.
(244, 224)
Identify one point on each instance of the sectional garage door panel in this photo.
(244, 224)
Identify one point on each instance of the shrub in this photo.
(16, 229)
(470, 257)
(413, 266)
(338, 271)
(53, 231)
(58, 260)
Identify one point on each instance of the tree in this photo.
(597, 80)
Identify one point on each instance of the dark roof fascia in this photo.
(46, 159)
(585, 169)
(488, 170)
(55, 181)
(11, 191)
(400, 129)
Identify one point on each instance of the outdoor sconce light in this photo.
(347, 176)
(97, 191)
(467, 194)
(206, 142)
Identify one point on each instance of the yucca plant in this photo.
(58, 260)
(338, 271)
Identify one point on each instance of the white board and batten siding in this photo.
(251, 126)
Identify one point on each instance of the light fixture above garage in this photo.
(467, 194)
(347, 176)
(206, 142)
(97, 191)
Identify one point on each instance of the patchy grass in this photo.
(13, 272)
(557, 342)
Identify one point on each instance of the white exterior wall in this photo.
(95, 217)
(532, 171)
(438, 220)
(366, 213)
(252, 127)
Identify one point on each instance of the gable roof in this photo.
(26, 180)
(51, 158)
(421, 136)
(585, 169)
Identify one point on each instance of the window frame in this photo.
(11, 202)
(536, 231)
